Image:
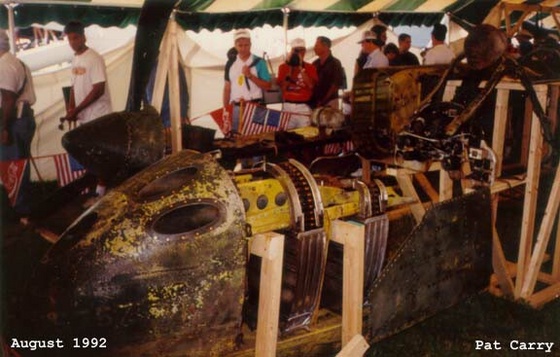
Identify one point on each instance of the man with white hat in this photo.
(17, 119)
(297, 79)
(245, 79)
(371, 45)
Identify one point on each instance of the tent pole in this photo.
(173, 85)
(12, 27)
(285, 15)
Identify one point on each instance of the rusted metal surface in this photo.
(446, 258)
(118, 145)
(162, 254)
(383, 102)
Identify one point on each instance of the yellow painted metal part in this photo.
(273, 215)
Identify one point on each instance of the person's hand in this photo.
(246, 71)
(71, 115)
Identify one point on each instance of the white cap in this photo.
(241, 33)
(369, 35)
(297, 43)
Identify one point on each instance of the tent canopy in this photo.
(227, 14)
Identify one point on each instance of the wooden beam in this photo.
(356, 347)
(530, 200)
(445, 186)
(556, 257)
(500, 124)
(407, 187)
(351, 235)
(270, 247)
(526, 135)
(173, 85)
(547, 294)
(427, 187)
(499, 263)
(543, 238)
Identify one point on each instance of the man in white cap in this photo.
(17, 95)
(371, 45)
(245, 79)
(297, 79)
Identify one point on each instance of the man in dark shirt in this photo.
(330, 72)
(405, 57)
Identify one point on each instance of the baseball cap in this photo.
(242, 33)
(371, 36)
(297, 42)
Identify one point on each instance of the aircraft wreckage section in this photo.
(162, 264)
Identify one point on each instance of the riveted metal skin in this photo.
(117, 145)
(444, 259)
(163, 254)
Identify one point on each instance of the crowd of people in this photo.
(306, 86)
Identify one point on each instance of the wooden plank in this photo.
(526, 135)
(530, 202)
(427, 187)
(405, 183)
(543, 238)
(556, 257)
(500, 124)
(173, 85)
(552, 110)
(547, 294)
(503, 184)
(270, 247)
(445, 186)
(351, 235)
(356, 347)
(499, 263)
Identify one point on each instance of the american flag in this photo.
(67, 169)
(258, 120)
(338, 148)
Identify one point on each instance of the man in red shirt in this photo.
(297, 78)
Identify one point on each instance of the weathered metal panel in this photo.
(446, 258)
(163, 254)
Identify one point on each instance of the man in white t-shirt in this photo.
(244, 78)
(440, 53)
(89, 96)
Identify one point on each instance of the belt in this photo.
(258, 100)
(292, 102)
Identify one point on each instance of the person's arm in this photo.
(262, 78)
(96, 92)
(226, 95)
(261, 83)
(8, 114)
